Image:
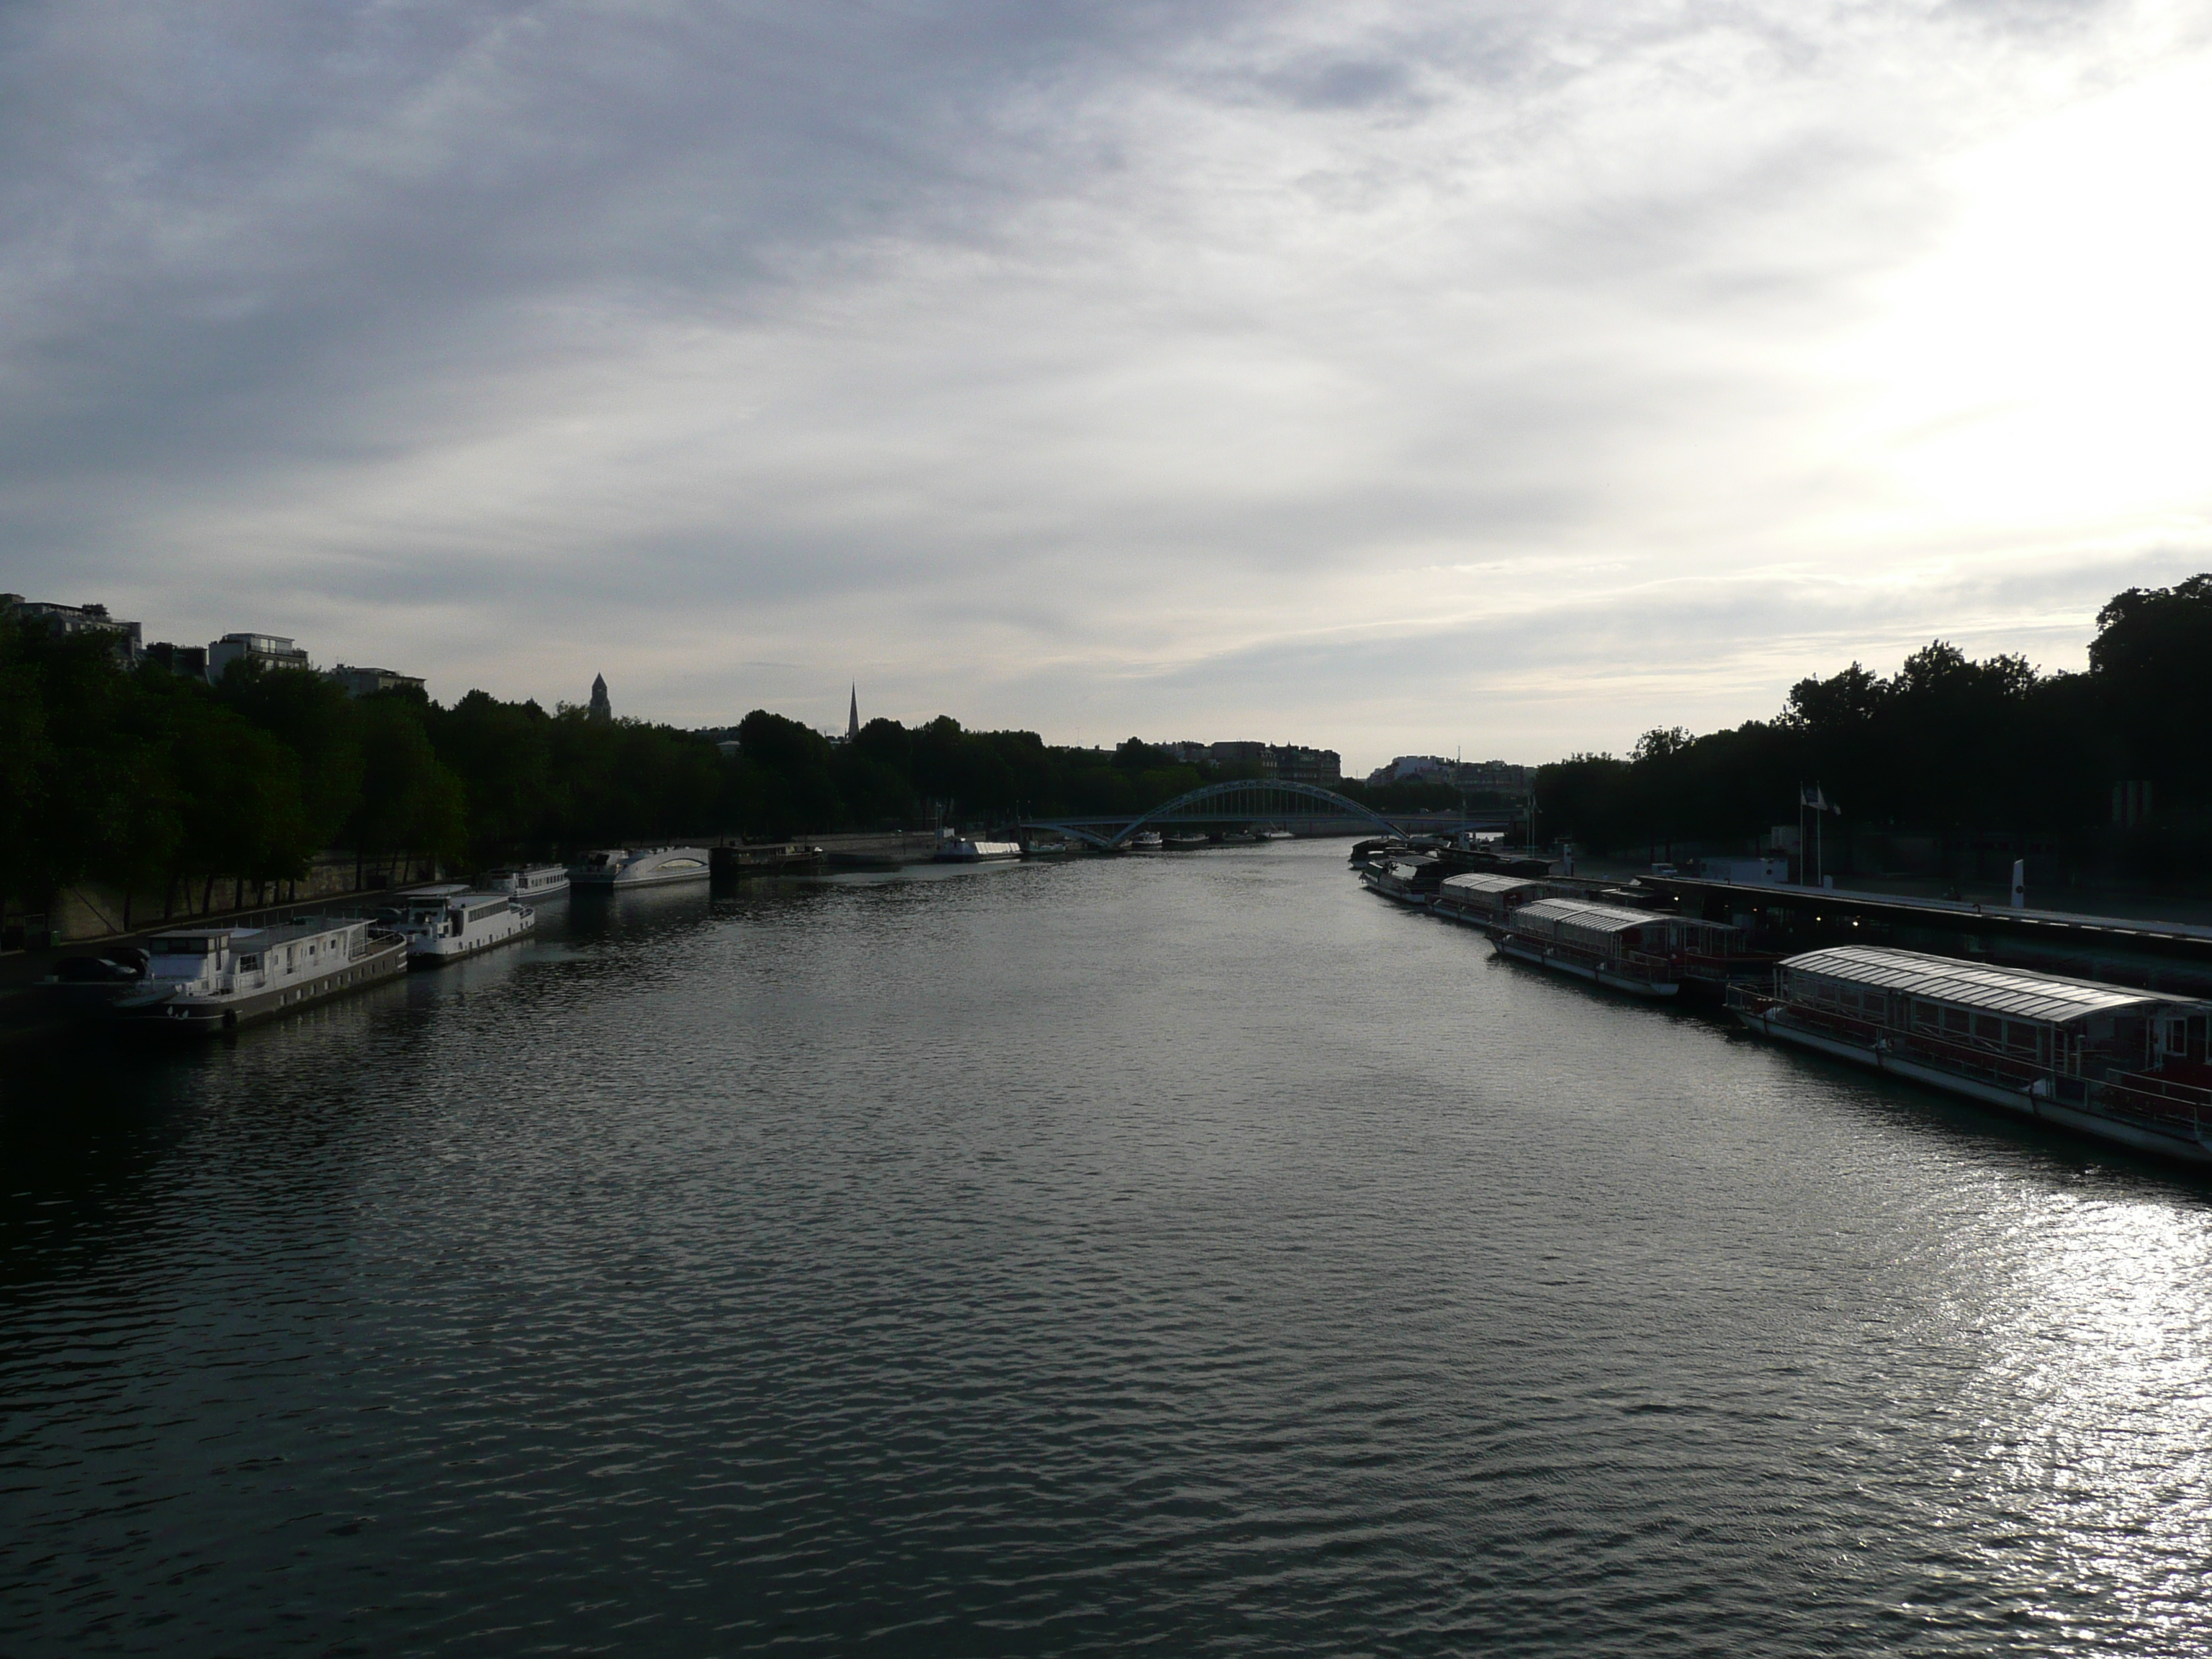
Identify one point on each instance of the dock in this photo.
(2155, 954)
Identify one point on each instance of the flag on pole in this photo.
(1812, 795)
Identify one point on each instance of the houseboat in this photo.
(969, 849)
(1408, 878)
(537, 881)
(1481, 897)
(2123, 1065)
(450, 925)
(202, 980)
(619, 869)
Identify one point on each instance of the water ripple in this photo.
(1180, 1254)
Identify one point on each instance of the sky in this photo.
(1482, 377)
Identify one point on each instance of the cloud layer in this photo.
(1505, 378)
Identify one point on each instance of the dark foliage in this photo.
(1946, 743)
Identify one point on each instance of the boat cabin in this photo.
(2076, 1027)
(449, 915)
(1483, 896)
(242, 958)
(1606, 930)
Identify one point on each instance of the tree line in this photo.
(154, 783)
(1947, 744)
(162, 785)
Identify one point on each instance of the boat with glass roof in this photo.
(1610, 945)
(2125, 1065)
(1483, 896)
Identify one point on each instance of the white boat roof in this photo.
(282, 932)
(1489, 881)
(2019, 992)
(1607, 918)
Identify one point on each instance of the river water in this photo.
(1191, 1252)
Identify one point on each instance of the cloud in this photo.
(1344, 370)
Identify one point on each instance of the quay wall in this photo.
(91, 911)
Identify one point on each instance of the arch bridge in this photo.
(1252, 803)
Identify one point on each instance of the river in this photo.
(1191, 1252)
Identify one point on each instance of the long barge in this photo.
(2123, 1065)
(202, 980)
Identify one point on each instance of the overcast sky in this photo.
(1490, 377)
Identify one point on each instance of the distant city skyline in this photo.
(1398, 381)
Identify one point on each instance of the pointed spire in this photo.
(602, 707)
(852, 719)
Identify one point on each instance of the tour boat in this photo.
(1277, 834)
(618, 869)
(1186, 842)
(2124, 1064)
(217, 978)
(450, 925)
(1482, 897)
(536, 881)
(968, 849)
(1632, 951)
(1146, 840)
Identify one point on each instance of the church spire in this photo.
(852, 719)
(602, 709)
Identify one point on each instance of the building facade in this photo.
(67, 619)
(366, 681)
(269, 650)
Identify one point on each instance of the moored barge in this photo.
(2123, 1065)
(1483, 897)
(1408, 878)
(1625, 949)
(204, 980)
(444, 927)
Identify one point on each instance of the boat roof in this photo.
(2019, 992)
(1488, 881)
(1607, 918)
(279, 933)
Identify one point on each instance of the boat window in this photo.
(1989, 1027)
(249, 964)
(1925, 1016)
(1954, 1019)
(2019, 1038)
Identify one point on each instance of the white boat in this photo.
(967, 850)
(618, 869)
(1146, 840)
(1278, 834)
(217, 978)
(536, 881)
(447, 927)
